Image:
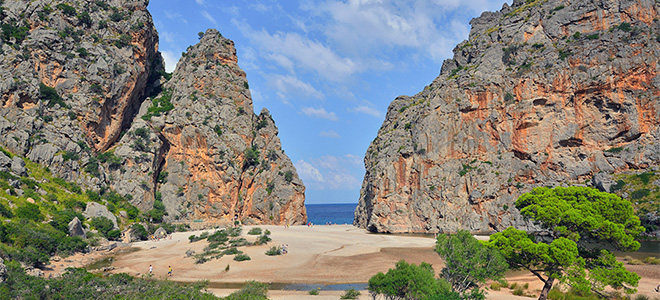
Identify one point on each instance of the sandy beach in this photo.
(327, 255)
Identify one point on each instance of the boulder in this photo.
(94, 209)
(18, 166)
(76, 228)
(160, 233)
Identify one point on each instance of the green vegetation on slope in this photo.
(80, 284)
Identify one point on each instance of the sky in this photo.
(326, 69)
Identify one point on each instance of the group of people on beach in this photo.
(169, 270)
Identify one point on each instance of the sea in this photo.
(322, 214)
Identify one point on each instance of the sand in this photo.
(337, 254)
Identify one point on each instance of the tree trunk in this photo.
(546, 288)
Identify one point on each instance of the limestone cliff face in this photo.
(82, 92)
(543, 93)
(208, 155)
(95, 56)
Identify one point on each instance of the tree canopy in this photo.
(409, 281)
(468, 263)
(577, 222)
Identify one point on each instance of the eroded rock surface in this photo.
(543, 93)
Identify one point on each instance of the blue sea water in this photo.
(321, 214)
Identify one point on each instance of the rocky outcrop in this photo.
(96, 210)
(76, 228)
(543, 93)
(72, 76)
(200, 150)
(83, 92)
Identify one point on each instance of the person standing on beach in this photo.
(151, 269)
(169, 272)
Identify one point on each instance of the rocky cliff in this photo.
(83, 92)
(199, 148)
(543, 93)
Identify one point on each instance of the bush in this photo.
(518, 291)
(263, 239)
(313, 292)
(5, 212)
(274, 251)
(652, 260)
(254, 231)
(103, 225)
(67, 9)
(30, 211)
(241, 257)
(288, 176)
(351, 294)
(219, 237)
(234, 231)
(251, 291)
(139, 232)
(85, 19)
(51, 95)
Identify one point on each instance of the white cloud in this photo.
(175, 16)
(200, 2)
(328, 173)
(208, 16)
(168, 37)
(320, 113)
(366, 110)
(260, 7)
(330, 134)
(170, 60)
(289, 86)
(308, 172)
(367, 28)
(303, 52)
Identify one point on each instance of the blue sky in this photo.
(327, 70)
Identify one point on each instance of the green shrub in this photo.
(85, 19)
(251, 156)
(51, 95)
(518, 291)
(219, 236)
(313, 292)
(619, 185)
(116, 16)
(139, 232)
(5, 212)
(350, 294)
(645, 177)
(251, 291)
(241, 257)
(159, 105)
(103, 225)
(652, 260)
(234, 231)
(635, 261)
(30, 211)
(123, 41)
(11, 30)
(254, 231)
(639, 194)
(67, 9)
(288, 176)
(274, 251)
(231, 251)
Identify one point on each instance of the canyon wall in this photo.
(543, 93)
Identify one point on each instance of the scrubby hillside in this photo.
(83, 92)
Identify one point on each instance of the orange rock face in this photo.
(216, 160)
(538, 96)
